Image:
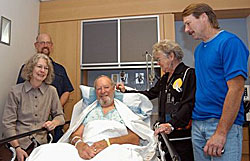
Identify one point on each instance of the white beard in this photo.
(108, 101)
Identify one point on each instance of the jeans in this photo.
(203, 130)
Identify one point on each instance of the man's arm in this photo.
(230, 111)
(84, 150)
(64, 98)
(130, 138)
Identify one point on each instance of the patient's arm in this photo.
(84, 150)
(131, 138)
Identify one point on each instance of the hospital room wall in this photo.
(24, 17)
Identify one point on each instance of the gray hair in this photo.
(28, 68)
(112, 82)
(168, 47)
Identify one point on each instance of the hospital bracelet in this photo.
(108, 142)
(75, 137)
(78, 141)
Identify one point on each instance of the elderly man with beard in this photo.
(61, 81)
(105, 110)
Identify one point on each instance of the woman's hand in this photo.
(50, 125)
(166, 128)
(21, 154)
(85, 151)
(120, 86)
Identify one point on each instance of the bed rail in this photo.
(6, 140)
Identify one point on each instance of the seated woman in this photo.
(106, 130)
(30, 104)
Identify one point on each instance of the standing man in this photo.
(221, 69)
(61, 82)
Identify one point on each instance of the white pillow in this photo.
(137, 102)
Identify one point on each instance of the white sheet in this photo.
(126, 152)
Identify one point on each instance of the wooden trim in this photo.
(169, 26)
(67, 10)
(162, 27)
(78, 69)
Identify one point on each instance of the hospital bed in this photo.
(138, 103)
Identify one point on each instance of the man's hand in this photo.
(215, 145)
(85, 151)
(99, 146)
(21, 154)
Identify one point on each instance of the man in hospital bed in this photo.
(107, 130)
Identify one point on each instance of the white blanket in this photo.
(106, 129)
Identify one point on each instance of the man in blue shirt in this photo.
(61, 81)
(221, 69)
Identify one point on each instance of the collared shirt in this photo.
(28, 108)
(61, 80)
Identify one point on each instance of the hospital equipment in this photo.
(151, 75)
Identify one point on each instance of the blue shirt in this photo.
(220, 59)
(61, 81)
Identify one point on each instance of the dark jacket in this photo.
(175, 103)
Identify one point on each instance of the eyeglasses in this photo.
(42, 67)
(45, 42)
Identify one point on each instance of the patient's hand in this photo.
(85, 151)
(99, 146)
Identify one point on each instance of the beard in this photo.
(106, 101)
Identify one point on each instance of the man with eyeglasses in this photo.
(61, 81)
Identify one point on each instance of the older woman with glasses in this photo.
(30, 105)
(176, 93)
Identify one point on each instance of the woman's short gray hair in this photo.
(168, 47)
(28, 68)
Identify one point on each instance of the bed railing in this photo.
(6, 140)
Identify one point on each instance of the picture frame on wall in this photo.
(5, 30)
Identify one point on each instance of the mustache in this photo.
(45, 48)
(191, 32)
